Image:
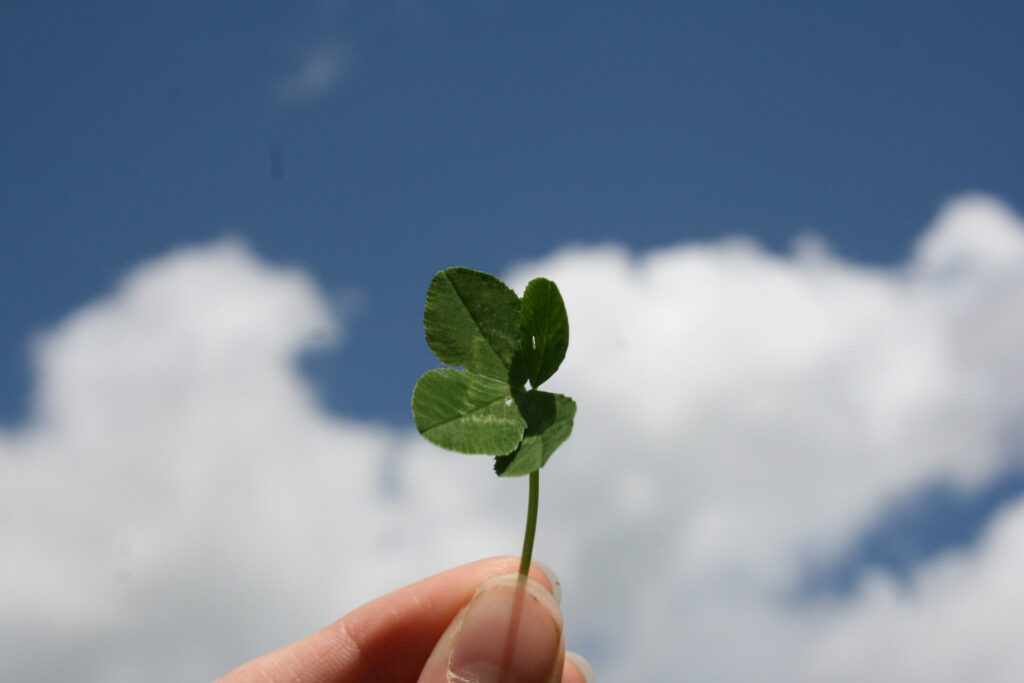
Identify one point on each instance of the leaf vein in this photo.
(479, 327)
(462, 416)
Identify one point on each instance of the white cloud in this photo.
(180, 502)
(961, 621)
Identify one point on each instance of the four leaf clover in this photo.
(493, 343)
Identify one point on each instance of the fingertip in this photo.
(511, 630)
(552, 577)
(583, 668)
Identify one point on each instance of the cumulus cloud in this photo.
(179, 501)
(960, 621)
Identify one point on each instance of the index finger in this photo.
(388, 639)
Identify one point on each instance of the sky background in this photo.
(790, 243)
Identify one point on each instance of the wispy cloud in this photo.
(320, 71)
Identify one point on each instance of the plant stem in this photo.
(531, 523)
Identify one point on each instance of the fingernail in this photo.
(556, 585)
(583, 665)
(511, 633)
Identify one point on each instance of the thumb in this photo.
(510, 632)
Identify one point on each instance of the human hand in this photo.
(478, 623)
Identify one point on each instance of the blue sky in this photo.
(824, 442)
(476, 133)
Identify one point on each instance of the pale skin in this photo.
(408, 635)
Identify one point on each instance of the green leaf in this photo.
(545, 330)
(549, 423)
(466, 412)
(472, 319)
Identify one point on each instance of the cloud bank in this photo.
(179, 502)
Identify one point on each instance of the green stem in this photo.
(531, 523)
